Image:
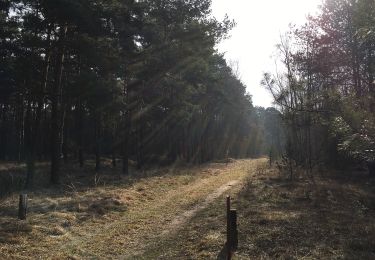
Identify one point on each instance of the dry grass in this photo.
(108, 217)
(330, 218)
(203, 237)
(105, 216)
(279, 219)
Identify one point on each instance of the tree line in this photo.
(325, 88)
(125, 79)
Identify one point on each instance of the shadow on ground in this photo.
(330, 218)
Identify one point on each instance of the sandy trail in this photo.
(176, 224)
(180, 220)
(164, 218)
(157, 209)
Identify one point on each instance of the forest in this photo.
(124, 128)
(326, 87)
(129, 80)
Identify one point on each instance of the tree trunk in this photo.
(34, 128)
(125, 159)
(79, 131)
(371, 168)
(30, 164)
(114, 162)
(97, 142)
(140, 157)
(114, 146)
(127, 129)
(56, 110)
(64, 134)
(20, 128)
(4, 132)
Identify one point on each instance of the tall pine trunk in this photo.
(34, 135)
(97, 122)
(127, 128)
(80, 132)
(126, 142)
(30, 164)
(56, 110)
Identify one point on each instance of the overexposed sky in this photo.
(259, 26)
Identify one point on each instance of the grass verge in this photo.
(107, 216)
(332, 218)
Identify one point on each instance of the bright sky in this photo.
(259, 26)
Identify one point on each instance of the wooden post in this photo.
(233, 229)
(229, 247)
(22, 208)
(232, 232)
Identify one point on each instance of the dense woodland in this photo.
(325, 87)
(119, 120)
(142, 81)
(123, 79)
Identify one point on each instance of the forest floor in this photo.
(179, 213)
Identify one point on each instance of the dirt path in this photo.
(156, 209)
(169, 229)
(146, 224)
(180, 220)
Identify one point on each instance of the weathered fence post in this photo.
(22, 208)
(233, 229)
(232, 233)
(229, 247)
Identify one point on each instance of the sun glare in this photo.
(259, 26)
